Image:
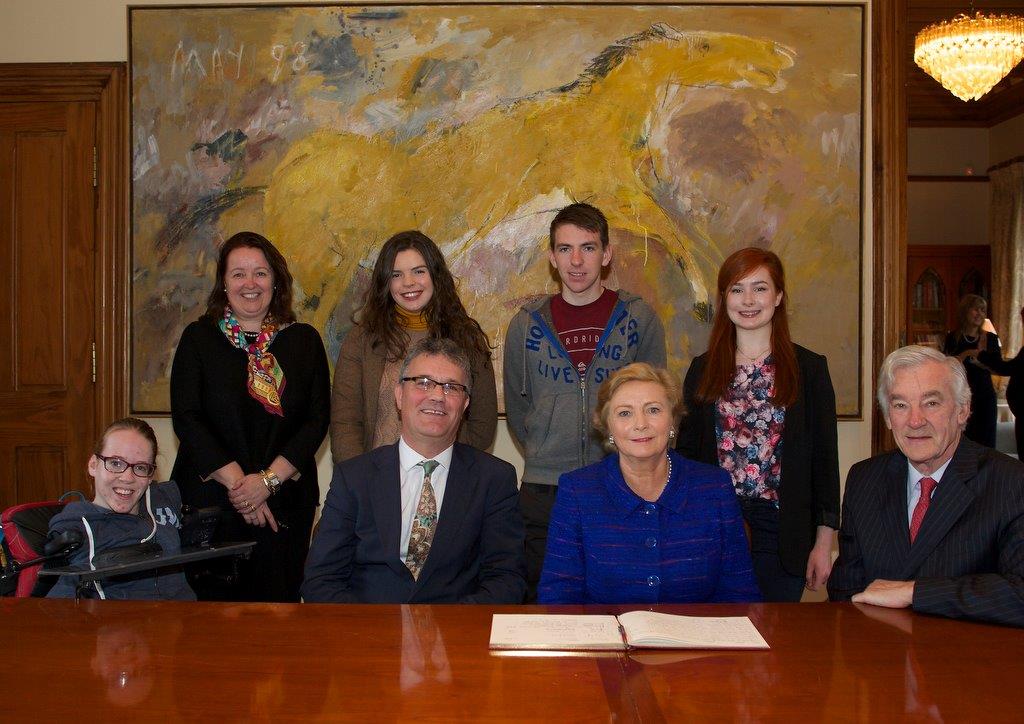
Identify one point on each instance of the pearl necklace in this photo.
(668, 479)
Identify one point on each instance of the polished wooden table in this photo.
(135, 661)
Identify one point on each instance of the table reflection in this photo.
(123, 662)
(897, 669)
(424, 657)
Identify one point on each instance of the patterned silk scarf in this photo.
(266, 378)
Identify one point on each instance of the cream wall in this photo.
(952, 151)
(96, 30)
(953, 212)
(1006, 140)
(947, 151)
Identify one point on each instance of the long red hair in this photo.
(720, 367)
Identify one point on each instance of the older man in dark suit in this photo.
(939, 525)
(426, 520)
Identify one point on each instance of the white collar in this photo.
(409, 458)
(914, 475)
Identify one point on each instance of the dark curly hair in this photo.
(280, 304)
(445, 314)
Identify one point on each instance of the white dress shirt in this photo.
(411, 474)
(914, 486)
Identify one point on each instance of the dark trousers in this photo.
(981, 425)
(272, 572)
(776, 584)
(535, 503)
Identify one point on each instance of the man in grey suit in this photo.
(939, 525)
(427, 519)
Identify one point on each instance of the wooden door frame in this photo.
(889, 120)
(106, 85)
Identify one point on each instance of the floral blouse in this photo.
(749, 431)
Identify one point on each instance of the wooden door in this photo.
(47, 298)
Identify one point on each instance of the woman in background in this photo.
(965, 343)
(763, 408)
(411, 296)
(1014, 369)
(644, 525)
(128, 509)
(250, 400)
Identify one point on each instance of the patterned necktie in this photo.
(927, 485)
(423, 523)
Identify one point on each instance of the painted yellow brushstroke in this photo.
(336, 193)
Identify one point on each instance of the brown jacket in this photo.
(357, 387)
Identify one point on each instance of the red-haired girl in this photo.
(763, 408)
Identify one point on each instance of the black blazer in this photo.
(968, 558)
(477, 555)
(809, 488)
(217, 421)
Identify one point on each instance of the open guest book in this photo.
(636, 629)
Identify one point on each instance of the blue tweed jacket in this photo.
(608, 545)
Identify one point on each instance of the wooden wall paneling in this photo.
(70, 272)
(113, 256)
(39, 269)
(7, 291)
(889, 179)
(106, 85)
(44, 466)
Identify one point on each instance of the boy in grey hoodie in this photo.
(558, 351)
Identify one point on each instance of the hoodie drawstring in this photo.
(92, 552)
(149, 509)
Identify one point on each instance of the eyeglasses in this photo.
(117, 465)
(426, 384)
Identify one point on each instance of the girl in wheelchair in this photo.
(129, 510)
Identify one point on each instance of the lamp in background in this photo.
(969, 55)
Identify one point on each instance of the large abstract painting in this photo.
(697, 129)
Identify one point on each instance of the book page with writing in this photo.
(555, 631)
(647, 629)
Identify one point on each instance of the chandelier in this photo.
(969, 55)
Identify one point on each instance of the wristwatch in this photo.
(271, 480)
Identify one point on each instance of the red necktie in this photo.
(927, 486)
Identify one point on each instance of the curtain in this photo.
(1006, 232)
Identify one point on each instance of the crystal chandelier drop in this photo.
(969, 55)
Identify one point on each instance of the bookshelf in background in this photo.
(937, 276)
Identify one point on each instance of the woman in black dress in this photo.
(250, 400)
(1014, 369)
(965, 343)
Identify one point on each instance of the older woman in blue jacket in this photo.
(645, 525)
